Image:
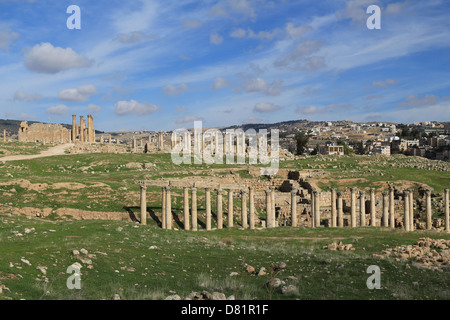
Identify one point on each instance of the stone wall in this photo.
(46, 133)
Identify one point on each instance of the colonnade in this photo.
(248, 210)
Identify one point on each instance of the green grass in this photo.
(23, 148)
(187, 261)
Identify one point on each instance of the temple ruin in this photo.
(42, 132)
(83, 132)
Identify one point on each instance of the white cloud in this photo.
(58, 110)
(128, 107)
(255, 85)
(215, 38)
(238, 9)
(384, 84)
(92, 108)
(6, 37)
(23, 96)
(134, 37)
(394, 8)
(300, 57)
(414, 101)
(187, 119)
(250, 34)
(45, 58)
(296, 31)
(264, 107)
(325, 109)
(80, 94)
(238, 33)
(356, 10)
(260, 85)
(220, 83)
(172, 90)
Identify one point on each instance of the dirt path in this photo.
(55, 151)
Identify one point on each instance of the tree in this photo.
(301, 140)
(347, 149)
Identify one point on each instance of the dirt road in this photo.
(55, 151)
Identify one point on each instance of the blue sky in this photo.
(160, 65)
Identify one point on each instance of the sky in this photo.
(161, 65)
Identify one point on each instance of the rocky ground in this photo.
(427, 253)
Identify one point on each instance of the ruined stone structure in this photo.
(56, 133)
(46, 133)
(81, 132)
(342, 214)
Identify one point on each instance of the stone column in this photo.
(406, 207)
(294, 207)
(230, 208)
(411, 209)
(161, 141)
(208, 208)
(273, 209)
(251, 200)
(340, 209)
(168, 209)
(429, 210)
(143, 204)
(219, 209)
(273, 214)
(186, 208)
(353, 207)
(373, 210)
(391, 208)
(74, 128)
(194, 209)
(333, 207)
(244, 217)
(385, 209)
(446, 210)
(82, 128)
(316, 209)
(163, 208)
(362, 208)
(91, 131)
(269, 209)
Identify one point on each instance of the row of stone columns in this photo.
(337, 211)
(248, 219)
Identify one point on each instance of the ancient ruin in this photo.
(82, 132)
(307, 207)
(45, 133)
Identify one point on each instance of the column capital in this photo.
(362, 192)
(385, 193)
(339, 194)
(194, 189)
